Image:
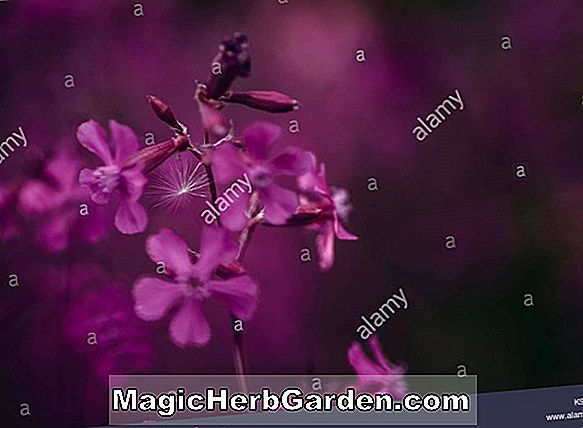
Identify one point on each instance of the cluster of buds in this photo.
(233, 61)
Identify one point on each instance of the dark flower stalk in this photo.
(239, 358)
(256, 217)
(231, 61)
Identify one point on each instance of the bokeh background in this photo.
(514, 236)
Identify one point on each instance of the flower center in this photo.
(197, 289)
(107, 177)
(260, 176)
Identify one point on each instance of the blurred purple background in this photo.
(514, 236)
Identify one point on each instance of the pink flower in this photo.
(230, 164)
(54, 198)
(117, 175)
(335, 205)
(191, 284)
(379, 373)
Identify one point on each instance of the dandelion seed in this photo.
(177, 184)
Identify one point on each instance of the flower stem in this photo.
(239, 358)
(256, 217)
(239, 354)
(244, 240)
(211, 182)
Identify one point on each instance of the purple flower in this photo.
(117, 175)
(377, 373)
(230, 164)
(191, 284)
(54, 198)
(335, 205)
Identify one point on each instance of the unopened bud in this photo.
(233, 61)
(152, 156)
(271, 101)
(163, 112)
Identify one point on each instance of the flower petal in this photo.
(291, 161)
(308, 181)
(166, 246)
(280, 203)
(259, 137)
(92, 136)
(125, 141)
(154, 297)
(384, 376)
(227, 164)
(240, 293)
(235, 217)
(315, 179)
(377, 351)
(134, 181)
(361, 363)
(216, 247)
(341, 232)
(130, 217)
(325, 246)
(189, 326)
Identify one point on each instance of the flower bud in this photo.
(153, 156)
(163, 112)
(270, 101)
(231, 61)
